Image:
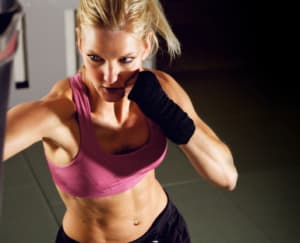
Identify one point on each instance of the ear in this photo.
(147, 45)
(78, 40)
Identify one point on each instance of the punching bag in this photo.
(10, 15)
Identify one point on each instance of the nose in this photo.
(111, 73)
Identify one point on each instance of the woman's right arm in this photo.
(25, 124)
(28, 123)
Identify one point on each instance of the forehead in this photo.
(105, 40)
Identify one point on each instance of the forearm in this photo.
(210, 157)
(173, 111)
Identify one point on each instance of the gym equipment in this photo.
(10, 15)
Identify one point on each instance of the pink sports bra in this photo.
(94, 173)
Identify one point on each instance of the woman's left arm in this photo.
(210, 157)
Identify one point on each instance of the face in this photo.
(112, 59)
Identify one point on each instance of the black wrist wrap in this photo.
(155, 104)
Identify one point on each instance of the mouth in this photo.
(121, 89)
(113, 91)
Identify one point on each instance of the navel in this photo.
(136, 222)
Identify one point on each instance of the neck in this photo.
(114, 112)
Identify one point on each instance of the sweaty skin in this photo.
(120, 126)
(115, 219)
(118, 218)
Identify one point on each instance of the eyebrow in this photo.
(126, 55)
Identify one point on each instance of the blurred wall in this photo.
(45, 45)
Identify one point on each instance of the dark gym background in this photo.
(237, 67)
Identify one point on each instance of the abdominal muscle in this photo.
(114, 219)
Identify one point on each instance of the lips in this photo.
(116, 89)
(113, 94)
(116, 93)
(113, 90)
(127, 83)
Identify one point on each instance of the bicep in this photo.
(30, 122)
(25, 125)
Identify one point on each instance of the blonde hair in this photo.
(141, 17)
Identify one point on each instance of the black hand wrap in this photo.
(155, 104)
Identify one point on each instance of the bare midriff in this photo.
(114, 219)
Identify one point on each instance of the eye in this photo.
(95, 58)
(127, 59)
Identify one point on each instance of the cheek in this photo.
(93, 73)
(136, 64)
(96, 74)
(139, 63)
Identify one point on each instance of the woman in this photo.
(104, 130)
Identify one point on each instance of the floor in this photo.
(263, 136)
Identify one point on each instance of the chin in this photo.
(112, 100)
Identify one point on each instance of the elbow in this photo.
(230, 174)
(225, 178)
(227, 181)
(231, 181)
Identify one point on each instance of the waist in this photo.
(120, 218)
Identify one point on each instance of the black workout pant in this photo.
(169, 227)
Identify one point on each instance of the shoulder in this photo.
(172, 88)
(58, 99)
(29, 122)
(168, 83)
(164, 78)
(60, 89)
(58, 102)
(175, 92)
